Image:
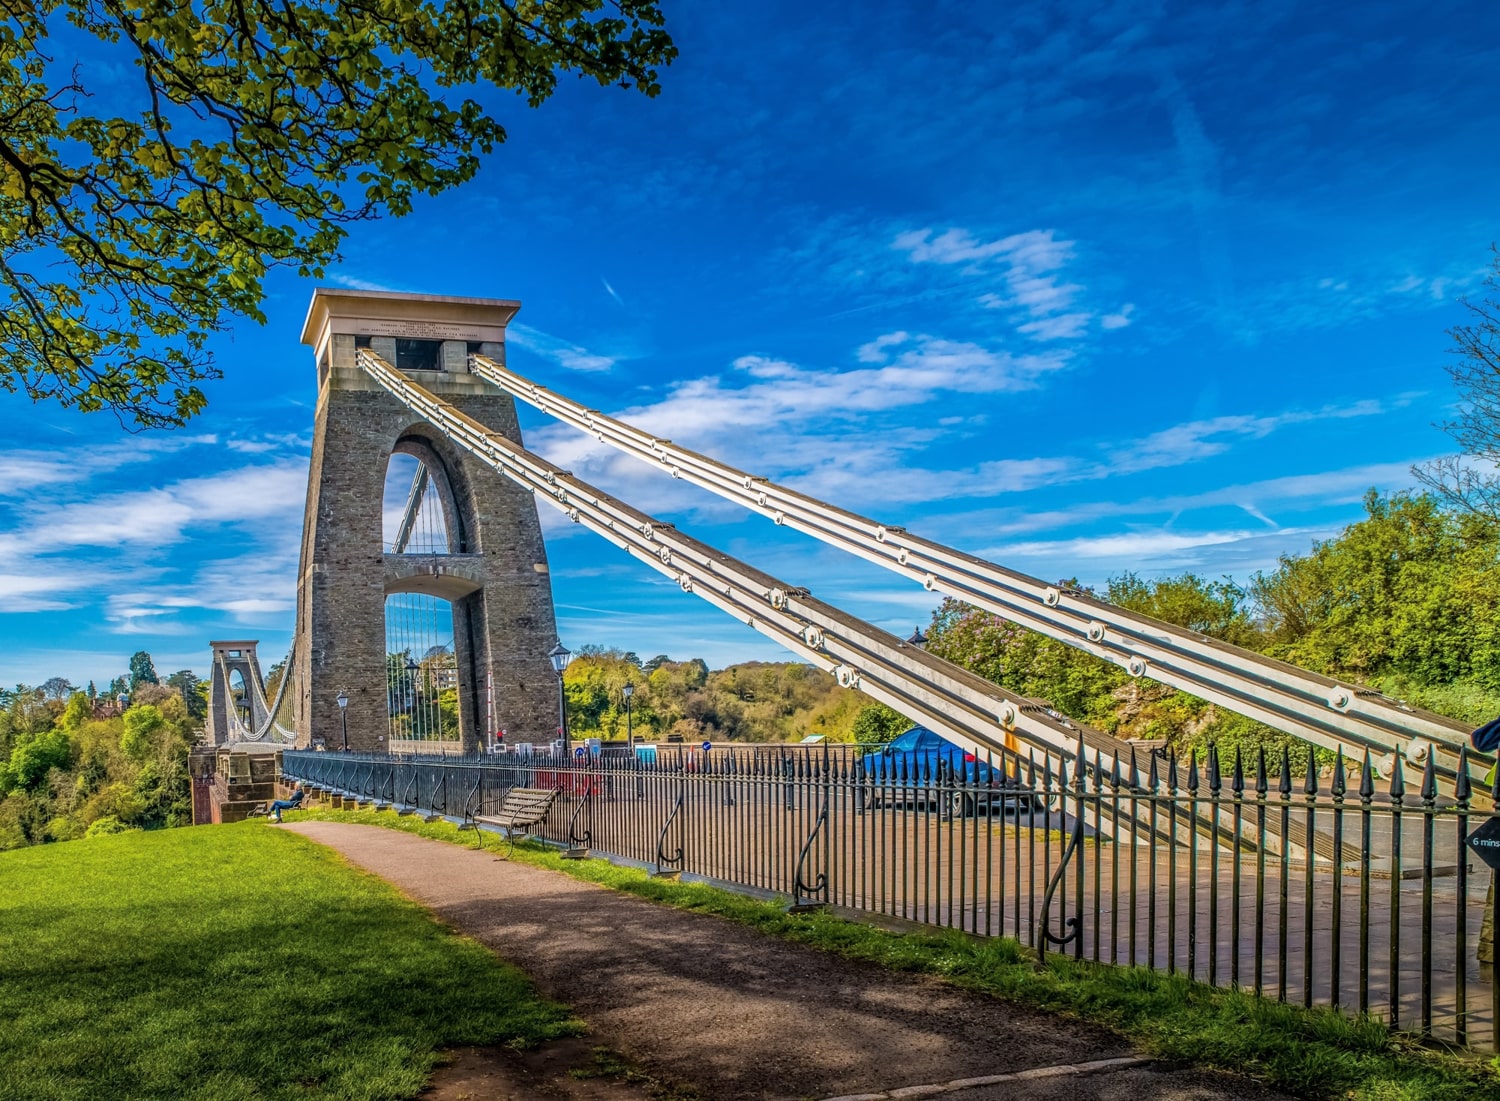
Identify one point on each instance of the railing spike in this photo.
(1237, 782)
(1261, 787)
(1367, 779)
(1114, 772)
(1339, 785)
(1429, 779)
(1462, 791)
(1211, 767)
(1172, 772)
(1135, 772)
(1398, 782)
(1152, 780)
(1192, 779)
(1098, 772)
(1285, 786)
(1310, 784)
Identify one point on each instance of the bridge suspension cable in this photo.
(1319, 709)
(950, 700)
(413, 509)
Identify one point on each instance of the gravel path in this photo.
(735, 1014)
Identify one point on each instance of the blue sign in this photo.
(580, 752)
(1485, 841)
(707, 746)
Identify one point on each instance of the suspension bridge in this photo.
(425, 620)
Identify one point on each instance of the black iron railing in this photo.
(1305, 884)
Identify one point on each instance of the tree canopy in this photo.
(145, 194)
(142, 670)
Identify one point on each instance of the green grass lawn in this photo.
(234, 962)
(1318, 1053)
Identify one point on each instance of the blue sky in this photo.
(1082, 287)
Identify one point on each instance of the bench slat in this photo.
(521, 807)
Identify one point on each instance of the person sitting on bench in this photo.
(286, 804)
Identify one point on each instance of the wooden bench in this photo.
(521, 809)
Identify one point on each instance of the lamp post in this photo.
(627, 692)
(917, 639)
(343, 699)
(560, 655)
(411, 696)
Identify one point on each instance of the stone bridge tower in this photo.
(230, 658)
(492, 568)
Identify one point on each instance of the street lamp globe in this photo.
(559, 655)
(343, 699)
(627, 692)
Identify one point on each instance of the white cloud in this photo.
(160, 517)
(1037, 249)
(1291, 493)
(24, 471)
(912, 371)
(1029, 266)
(559, 351)
(1061, 327)
(1184, 443)
(355, 283)
(1126, 546)
(827, 432)
(42, 590)
(51, 560)
(1095, 558)
(875, 350)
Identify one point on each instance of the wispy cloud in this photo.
(1093, 559)
(356, 283)
(826, 432)
(42, 589)
(22, 472)
(559, 351)
(1297, 493)
(1200, 439)
(901, 372)
(1028, 267)
(1124, 546)
(158, 518)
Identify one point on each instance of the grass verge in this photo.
(1316, 1053)
(231, 964)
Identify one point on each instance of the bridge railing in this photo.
(1296, 879)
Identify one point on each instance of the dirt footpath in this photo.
(732, 1014)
